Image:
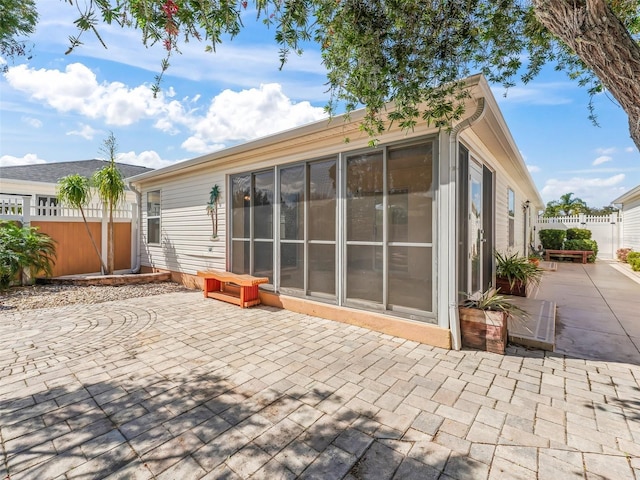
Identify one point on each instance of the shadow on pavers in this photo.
(148, 425)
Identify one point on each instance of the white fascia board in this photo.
(628, 196)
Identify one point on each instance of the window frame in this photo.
(157, 217)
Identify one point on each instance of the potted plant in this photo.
(483, 321)
(515, 274)
(534, 258)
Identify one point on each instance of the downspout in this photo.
(136, 268)
(454, 321)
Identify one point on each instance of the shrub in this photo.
(552, 239)
(583, 245)
(622, 253)
(578, 234)
(633, 259)
(24, 248)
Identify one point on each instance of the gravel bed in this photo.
(47, 296)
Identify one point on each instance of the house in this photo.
(630, 210)
(28, 194)
(383, 237)
(39, 180)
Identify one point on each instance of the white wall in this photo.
(185, 227)
(631, 225)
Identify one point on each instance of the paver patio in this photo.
(181, 387)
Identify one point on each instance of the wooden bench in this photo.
(232, 287)
(577, 254)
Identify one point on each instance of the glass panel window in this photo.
(240, 206)
(292, 203)
(410, 189)
(364, 197)
(322, 268)
(263, 260)
(410, 277)
(153, 217)
(292, 265)
(322, 201)
(241, 257)
(263, 205)
(364, 272)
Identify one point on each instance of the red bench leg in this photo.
(248, 294)
(210, 285)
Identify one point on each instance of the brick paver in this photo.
(177, 386)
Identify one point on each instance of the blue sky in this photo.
(58, 108)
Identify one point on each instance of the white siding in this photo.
(631, 225)
(185, 227)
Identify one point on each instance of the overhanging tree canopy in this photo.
(413, 53)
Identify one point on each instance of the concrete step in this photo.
(538, 330)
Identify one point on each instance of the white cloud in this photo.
(629, 149)
(85, 131)
(148, 158)
(533, 168)
(28, 159)
(32, 122)
(198, 145)
(231, 117)
(606, 151)
(240, 116)
(602, 159)
(595, 191)
(76, 89)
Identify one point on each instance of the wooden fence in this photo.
(75, 253)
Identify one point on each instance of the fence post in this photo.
(582, 219)
(104, 230)
(26, 210)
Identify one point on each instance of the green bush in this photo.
(633, 259)
(552, 239)
(583, 245)
(24, 248)
(578, 234)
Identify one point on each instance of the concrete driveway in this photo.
(180, 387)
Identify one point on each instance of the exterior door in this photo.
(476, 231)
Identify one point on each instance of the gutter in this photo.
(136, 267)
(454, 320)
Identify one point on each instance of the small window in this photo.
(511, 202)
(153, 217)
(47, 205)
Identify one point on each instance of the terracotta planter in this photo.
(519, 289)
(483, 329)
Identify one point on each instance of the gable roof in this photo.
(52, 172)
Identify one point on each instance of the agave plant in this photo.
(490, 300)
(517, 269)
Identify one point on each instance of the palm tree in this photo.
(572, 206)
(75, 191)
(566, 206)
(110, 186)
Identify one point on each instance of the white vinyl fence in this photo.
(605, 229)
